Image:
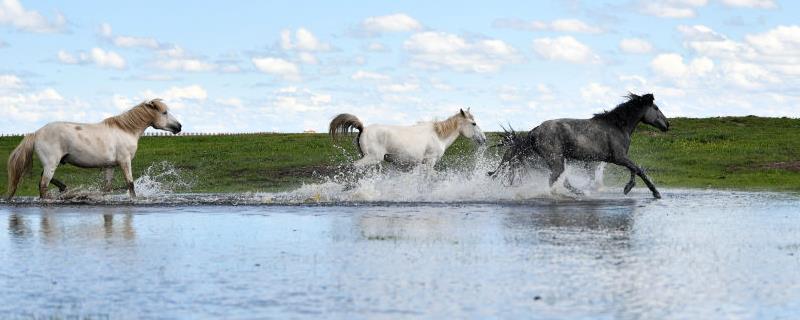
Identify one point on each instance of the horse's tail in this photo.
(345, 123)
(19, 162)
(517, 146)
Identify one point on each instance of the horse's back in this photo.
(582, 139)
(407, 140)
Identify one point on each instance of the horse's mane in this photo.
(627, 112)
(447, 127)
(137, 118)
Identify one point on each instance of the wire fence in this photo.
(183, 134)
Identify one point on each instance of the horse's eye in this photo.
(165, 113)
(474, 124)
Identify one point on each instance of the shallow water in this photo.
(693, 254)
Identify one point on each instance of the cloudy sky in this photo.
(292, 65)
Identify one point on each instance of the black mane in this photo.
(627, 112)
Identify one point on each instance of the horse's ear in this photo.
(152, 104)
(649, 98)
(463, 114)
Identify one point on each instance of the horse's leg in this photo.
(61, 186)
(366, 161)
(47, 175)
(109, 179)
(597, 174)
(625, 162)
(631, 183)
(556, 165)
(128, 173)
(572, 188)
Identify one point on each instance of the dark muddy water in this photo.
(692, 255)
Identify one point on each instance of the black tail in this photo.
(518, 146)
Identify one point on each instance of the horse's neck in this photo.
(633, 123)
(449, 139)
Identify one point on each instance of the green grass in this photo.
(730, 153)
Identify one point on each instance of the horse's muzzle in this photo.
(176, 129)
(663, 126)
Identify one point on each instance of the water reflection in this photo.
(53, 228)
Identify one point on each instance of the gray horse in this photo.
(605, 137)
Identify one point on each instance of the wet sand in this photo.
(694, 254)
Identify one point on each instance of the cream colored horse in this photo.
(424, 142)
(108, 144)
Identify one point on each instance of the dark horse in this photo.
(605, 137)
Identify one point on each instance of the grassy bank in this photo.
(734, 152)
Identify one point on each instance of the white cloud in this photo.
(121, 102)
(106, 31)
(564, 48)
(748, 75)
(398, 22)
(175, 58)
(763, 4)
(13, 14)
(399, 87)
(377, 47)
(760, 60)
(192, 92)
(699, 32)
(434, 50)
(10, 81)
(595, 92)
(782, 41)
(672, 65)
(635, 46)
(230, 102)
(130, 42)
(307, 58)
(97, 56)
(277, 67)
(303, 40)
(308, 42)
(559, 25)
(366, 75)
(294, 100)
(167, 57)
(672, 8)
(189, 65)
(27, 111)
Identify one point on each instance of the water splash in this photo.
(162, 178)
(463, 182)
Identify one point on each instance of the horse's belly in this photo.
(89, 161)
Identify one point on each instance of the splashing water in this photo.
(467, 182)
(464, 180)
(162, 178)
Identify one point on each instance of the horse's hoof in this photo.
(656, 195)
(628, 188)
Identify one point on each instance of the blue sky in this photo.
(290, 66)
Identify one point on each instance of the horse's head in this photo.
(653, 115)
(469, 128)
(162, 118)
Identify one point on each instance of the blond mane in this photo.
(137, 118)
(447, 127)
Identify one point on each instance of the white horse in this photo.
(110, 143)
(424, 142)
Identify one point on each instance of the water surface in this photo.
(694, 254)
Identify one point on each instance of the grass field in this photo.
(749, 153)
